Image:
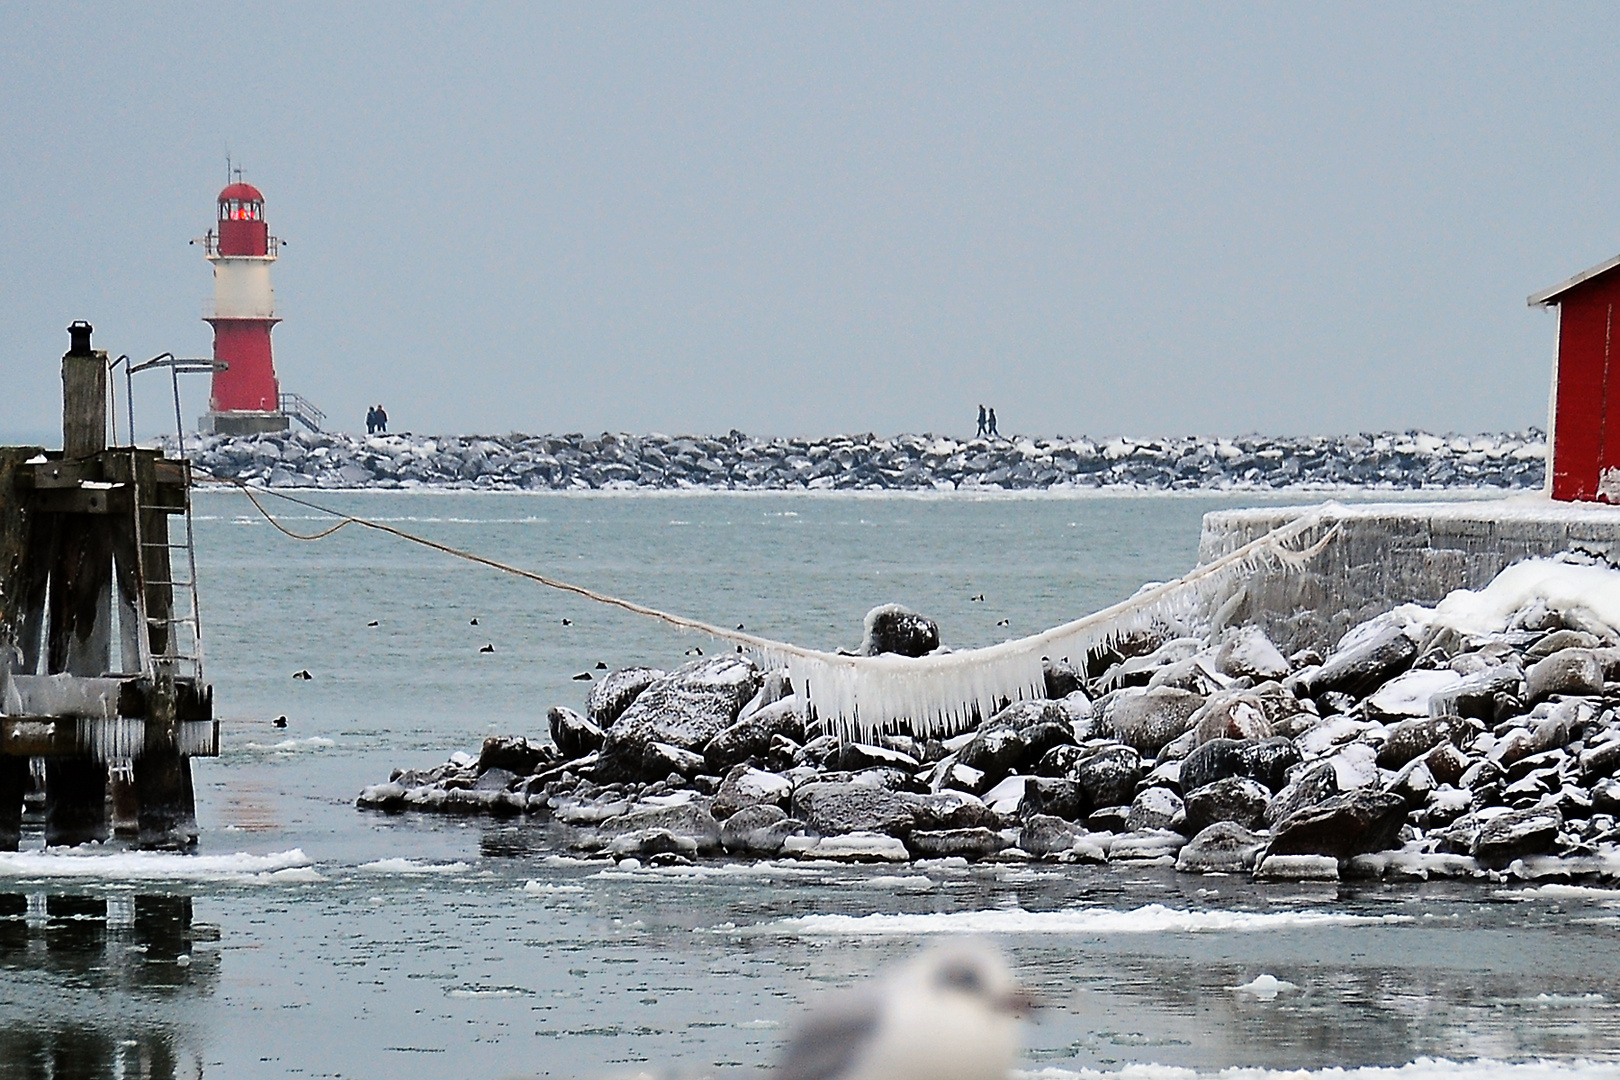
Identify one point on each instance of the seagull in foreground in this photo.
(950, 1014)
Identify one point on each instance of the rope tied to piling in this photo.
(940, 694)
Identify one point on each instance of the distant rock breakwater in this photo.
(1389, 460)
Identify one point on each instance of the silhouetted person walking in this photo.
(994, 434)
(982, 428)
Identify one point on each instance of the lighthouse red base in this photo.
(246, 397)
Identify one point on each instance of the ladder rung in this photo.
(153, 620)
(182, 584)
(154, 544)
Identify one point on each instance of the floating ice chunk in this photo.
(1265, 987)
(1149, 919)
(412, 866)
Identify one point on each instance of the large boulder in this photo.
(758, 830)
(660, 760)
(752, 735)
(1366, 658)
(1413, 738)
(1531, 831)
(684, 709)
(1211, 761)
(837, 808)
(1353, 823)
(1232, 714)
(1045, 835)
(1109, 777)
(1237, 798)
(975, 843)
(1572, 672)
(994, 751)
(1225, 847)
(609, 698)
(515, 755)
(573, 735)
(690, 819)
(744, 787)
(952, 810)
(1317, 784)
(1147, 719)
(1054, 797)
(1247, 651)
(1154, 808)
(891, 628)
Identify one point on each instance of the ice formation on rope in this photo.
(945, 694)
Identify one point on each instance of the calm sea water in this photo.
(311, 939)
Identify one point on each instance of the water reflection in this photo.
(80, 971)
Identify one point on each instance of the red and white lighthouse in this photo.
(246, 398)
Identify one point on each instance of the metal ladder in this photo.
(183, 652)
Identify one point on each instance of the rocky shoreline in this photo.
(1421, 745)
(1388, 460)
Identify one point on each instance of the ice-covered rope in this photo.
(930, 696)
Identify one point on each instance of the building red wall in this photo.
(244, 238)
(1588, 375)
(250, 382)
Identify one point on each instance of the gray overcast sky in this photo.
(801, 219)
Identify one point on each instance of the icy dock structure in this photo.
(1385, 554)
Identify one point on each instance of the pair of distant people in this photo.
(987, 423)
(376, 420)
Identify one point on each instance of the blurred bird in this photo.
(601, 666)
(303, 676)
(373, 622)
(950, 1014)
(472, 622)
(1004, 622)
(976, 599)
(694, 651)
(568, 622)
(487, 648)
(583, 676)
(280, 721)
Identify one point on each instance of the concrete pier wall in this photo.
(1393, 553)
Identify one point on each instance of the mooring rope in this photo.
(937, 694)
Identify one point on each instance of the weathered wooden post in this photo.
(81, 594)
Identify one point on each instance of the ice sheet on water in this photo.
(283, 867)
(1420, 1069)
(1265, 987)
(1148, 919)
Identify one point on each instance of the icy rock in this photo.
(976, 843)
(1061, 678)
(1409, 694)
(850, 847)
(1231, 715)
(754, 734)
(1043, 834)
(758, 830)
(1531, 831)
(1108, 819)
(691, 820)
(1367, 656)
(1413, 738)
(1600, 759)
(1236, 798)
(1298, 868)
(891, 628)
(1147, 719)
(743, 787)
(831, 809)
(648, 842)
(1154, 808)
(1109, 777)
(1005, 798)
(572, 734)
(1054, 797)
(685, 709)
(1606, 796)
(1343, 825)
(1148, 844)
(495, 779)
(1355, 766)
(1269, 761)
(1211, 761)
(994, 752)
(1222, 848)
(513, 754)
(1568, 671)
(857, 756)
(1247, 651)
(952, 810)
(662, 759)
(952, 774)
(609, 698)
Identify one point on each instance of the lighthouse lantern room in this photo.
(246, 397)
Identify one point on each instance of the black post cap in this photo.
(79, 338)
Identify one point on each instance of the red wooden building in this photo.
(1585, 463)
